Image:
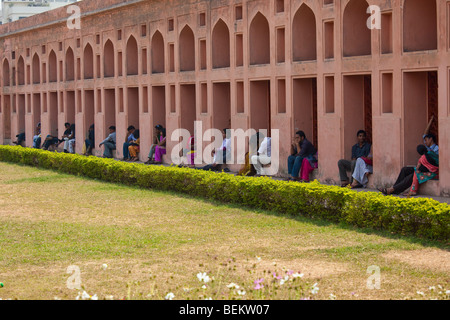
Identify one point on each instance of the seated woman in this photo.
(160, 148)
(37, 137)
(363, 167)
(427, 169)
(133, 148)
(406, 177)
(157, 136)
(308, 166)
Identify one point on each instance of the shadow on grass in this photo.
(56, 176)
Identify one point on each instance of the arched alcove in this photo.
(132, 56)
(304, 39)
(6, 73)
(157, 53)
(21, 71)
(108, 59)
(70, 65)
(52, 67)
(36, 69)
(357, 37)
(88, 62)
(259, 40)
(221, 45)
(187, 49)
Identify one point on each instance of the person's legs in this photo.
(126, 154)
(344, 166)
(257, 165)
(66, 144)
(291, 161)
(109, 147)
(72, 146)
(403, 184)
(297, 166)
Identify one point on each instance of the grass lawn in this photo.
(142, 244)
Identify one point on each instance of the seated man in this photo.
(71, 138)
(89, 143)
(130, 138)
(20, 139)
(224, 151)
(37, 137)
(50, 142)
(109, 143)
(361, 149)
(264, 156)
(429, 139)
(65, 137)
(301, 148)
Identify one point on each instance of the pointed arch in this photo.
(36, 65)
(419, 25)
(52, 67)
(70, 65)
(158, 53)
(357, 37)
(21, 71)
(6, 73)
(132, 56)
(221, 45)
(304, 39)
(259, 40)
(187, 49)
(88, 62)
(108, 59)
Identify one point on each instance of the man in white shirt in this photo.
(264, 156)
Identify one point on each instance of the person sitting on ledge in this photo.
(89, 143)
(426, 169)
(263, 157)
(133, 149)
(109, 143)
(160, 149)
(308, 166)
(301, 148)
(130, 138)
(224, 151)
(429, 139)
(65, 137)
(72, 139)
(361, 149)
(50, 142)
(20, 139)
(157, 136)
(37, 137)
(363, 167)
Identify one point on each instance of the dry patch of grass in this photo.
(157, 242)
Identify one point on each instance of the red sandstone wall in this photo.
(270, 47)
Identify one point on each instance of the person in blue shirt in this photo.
(361, 149)
(109, 143)
(130, 139)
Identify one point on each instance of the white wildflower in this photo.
(298, 275)
(94, 297)
(332, 297)
(315, 289)
(233, 286)
(104, 266)
(241, 292)
(170, 296)
(420, 293)
(85, 296)
(203, 277)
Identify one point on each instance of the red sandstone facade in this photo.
(310, 65)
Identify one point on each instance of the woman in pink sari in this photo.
(308, 166)
(160, 149)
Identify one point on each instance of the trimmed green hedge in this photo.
(421, 217)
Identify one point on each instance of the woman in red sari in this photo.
(427, 169)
